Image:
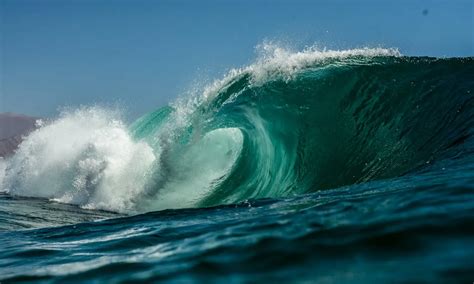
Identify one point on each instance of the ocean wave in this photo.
(288, 124)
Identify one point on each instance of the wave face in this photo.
(289, 124)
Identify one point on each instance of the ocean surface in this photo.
(352, 166)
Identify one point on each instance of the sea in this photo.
(310, 166)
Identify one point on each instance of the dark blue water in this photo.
(413, 229)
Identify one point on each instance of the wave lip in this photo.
(276, 62)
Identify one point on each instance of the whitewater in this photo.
(354, 165)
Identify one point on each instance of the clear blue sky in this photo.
(142, 54)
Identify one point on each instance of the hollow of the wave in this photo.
(194, 171)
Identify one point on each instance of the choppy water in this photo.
(310, 166)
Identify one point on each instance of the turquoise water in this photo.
(313, 166)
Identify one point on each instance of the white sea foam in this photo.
(85, 157)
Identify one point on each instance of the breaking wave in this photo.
(290, 123)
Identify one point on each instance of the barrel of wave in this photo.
(198, 169)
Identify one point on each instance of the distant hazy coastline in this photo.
(12, 128)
